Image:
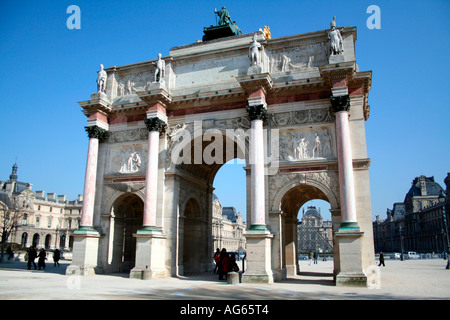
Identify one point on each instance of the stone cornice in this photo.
(99, 102)
(338, 71)
(252, 83)
(157, 95)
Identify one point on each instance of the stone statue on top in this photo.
(336, 42)
(101, 80)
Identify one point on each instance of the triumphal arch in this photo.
(294, 108)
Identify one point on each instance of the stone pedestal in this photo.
(85, 252)
(337, 58)
(232, 278)
(99, 96)
(254, 70)
(259, 256)
(350, 271)
(150, 262)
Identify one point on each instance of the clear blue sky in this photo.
(47, 68)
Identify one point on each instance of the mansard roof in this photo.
(430, 187)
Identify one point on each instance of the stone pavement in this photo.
(412, 279)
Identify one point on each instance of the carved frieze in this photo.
(307, 144)
(298, 58)
(128, 135)
(133, 83)
(301, 117)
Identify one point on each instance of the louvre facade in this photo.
(418, 223)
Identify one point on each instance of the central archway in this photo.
(196, 180)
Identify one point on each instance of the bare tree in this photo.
(12, 211)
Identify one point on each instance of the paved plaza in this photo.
(412, 279)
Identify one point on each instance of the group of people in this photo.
(225, 262)
(42, 256)
(313, 255)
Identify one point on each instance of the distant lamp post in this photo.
(442, 198)
(325, 242)
(401, 243)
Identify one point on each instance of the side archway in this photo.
(193, 253)
(125, 220)
(293, 192)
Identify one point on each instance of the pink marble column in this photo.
(87, 213)
(341, 105)
(257, 115)
(151, 179)
(155, 126)
(257, 173)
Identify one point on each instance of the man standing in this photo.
(32, 254)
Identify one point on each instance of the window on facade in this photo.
(37, 222)
(49, 222)
(24, 220)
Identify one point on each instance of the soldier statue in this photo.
(101, 80)
(336, 42)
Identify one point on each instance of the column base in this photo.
(85, 252)
(291, 270)
(259, 256)
(150, 258)
(349, 269)
(349, 226)
(258, 229)
(149, 230)
(351, 280)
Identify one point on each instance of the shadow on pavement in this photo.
(22, 266)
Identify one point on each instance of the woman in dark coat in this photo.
(222, 262)
(41, 259)
(56, 257)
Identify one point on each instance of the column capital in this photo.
(155, 124)
(257, 112)
(340, 103)
(96, 132)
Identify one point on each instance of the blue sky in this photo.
(47, 69)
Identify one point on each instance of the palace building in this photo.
(44, 221)
(418, 223)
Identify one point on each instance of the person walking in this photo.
(56, 257)
(310, 257)
(41, 259)
(381, 259)
(10, 253)
(316, 256)
(32, 254)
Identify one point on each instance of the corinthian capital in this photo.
(340, 103)
(155, 124)
(257, 112)
(97, 132)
